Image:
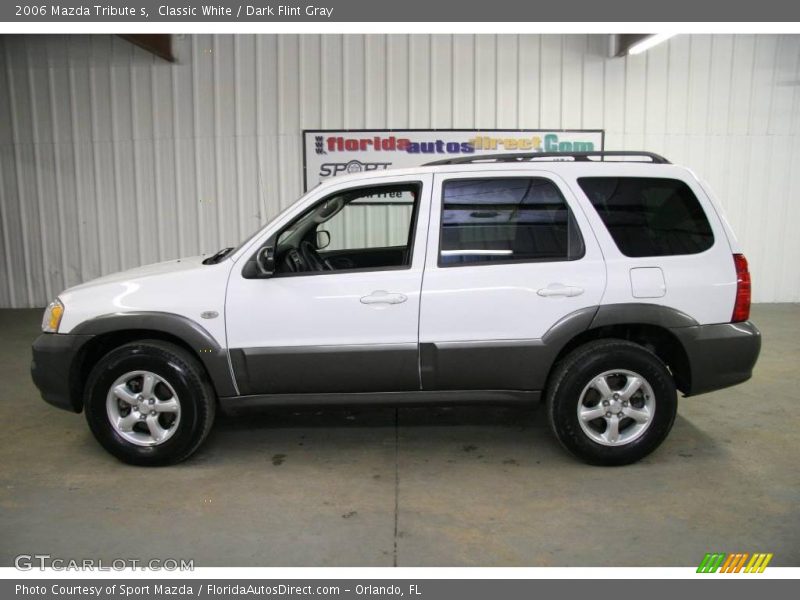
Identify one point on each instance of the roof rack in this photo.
(533, 156)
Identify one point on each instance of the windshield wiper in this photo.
(214, 259)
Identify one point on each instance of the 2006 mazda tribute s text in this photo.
(599, 282)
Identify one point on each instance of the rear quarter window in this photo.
(650, 216)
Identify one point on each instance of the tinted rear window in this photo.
(650, 216)
(503, 220)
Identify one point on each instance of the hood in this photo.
(184, 287)
(145, 271)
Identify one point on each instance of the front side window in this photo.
(501, 220)
(379, 218)
(649, 216)
(361, 228)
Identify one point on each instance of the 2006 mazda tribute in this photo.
(601, 282)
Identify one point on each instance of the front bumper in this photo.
(52, 369)
(719, 355)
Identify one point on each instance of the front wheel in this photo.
(611, 402)
(149, 403)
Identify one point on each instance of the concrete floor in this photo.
(413, 487)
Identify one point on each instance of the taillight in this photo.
(741, 309)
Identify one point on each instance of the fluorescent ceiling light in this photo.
(649, 42)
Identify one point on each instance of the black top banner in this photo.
(77, 11)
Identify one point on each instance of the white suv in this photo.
(600, 282)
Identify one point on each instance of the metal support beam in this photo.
(158, 44)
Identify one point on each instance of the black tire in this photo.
(578, 369)
(180, 370)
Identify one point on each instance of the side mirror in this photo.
(265, 261)
(323, 239)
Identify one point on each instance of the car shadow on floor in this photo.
(440, 428)
(379, 416)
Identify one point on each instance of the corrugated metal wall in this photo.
(110, 158)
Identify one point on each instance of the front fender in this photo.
(191, 333)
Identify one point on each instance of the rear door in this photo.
(509, 259)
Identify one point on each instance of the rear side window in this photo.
(494, 220)
(650, 216)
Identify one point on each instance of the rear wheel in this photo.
(611, 402)
(149, 403)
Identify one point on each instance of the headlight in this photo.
(52, 316)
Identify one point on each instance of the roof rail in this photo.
(533, 156)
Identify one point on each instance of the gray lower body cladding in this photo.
(521, 365)
(51, 368)
(719, 355)
(326, 369)
(513, 364)
(505, 365)
(236, 404)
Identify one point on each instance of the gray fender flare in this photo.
(207, 350)
(641, 314)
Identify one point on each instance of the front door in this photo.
(341, 312)
(511, 263)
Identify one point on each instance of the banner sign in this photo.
(328, 153)
(367, 588)
(348, 11)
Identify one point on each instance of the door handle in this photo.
(384, 297)
(558, 289)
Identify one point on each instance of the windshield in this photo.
(250, 238)
(247, 240)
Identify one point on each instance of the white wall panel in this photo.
(110, 158)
